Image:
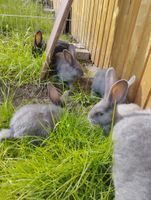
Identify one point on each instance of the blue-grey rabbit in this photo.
(98, 84)
(68, 68)
(36, 119)
(131, 141)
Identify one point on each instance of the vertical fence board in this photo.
(109, 45)
(106, 32)
(127, 17)
(90, 24)
(87, 10)
(97, 29)
(101, 32)
(145, 83)
(93, 26)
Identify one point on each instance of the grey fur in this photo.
(98, 84)
(68, 68)
(131, 144)
(33, 120)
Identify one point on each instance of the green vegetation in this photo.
(74, 163)
(19, 15)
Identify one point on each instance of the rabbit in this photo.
(68, 68)
(131, 138)
(39, 44)
(95, 115)
(98, 83)
(36, 119)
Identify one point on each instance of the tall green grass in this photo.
(19, 15)
(73, 163)
(17, 64)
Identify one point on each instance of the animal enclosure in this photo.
(117, 33)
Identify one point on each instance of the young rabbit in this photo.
(98, 84)
(68, 68)
(95, 115)
(131, 141)
(39, 45)
(36, 119)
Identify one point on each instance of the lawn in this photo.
(74, 162)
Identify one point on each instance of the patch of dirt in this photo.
(28, 93)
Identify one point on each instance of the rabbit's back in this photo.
(34, 120)
(132, 157)
(98, 85)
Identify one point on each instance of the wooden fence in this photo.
(118, 34)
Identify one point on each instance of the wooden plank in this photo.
(145, 83)
(85, 36)
(90, 24)
(81, 17)
(76, 21)
(95, 12)
(139, 47)
(106, 32)
(101, 32)
(56, 31)
(139, 31)
(128, 11)
(85, 12)
(97, 29)
(148, 103)
(111, 36)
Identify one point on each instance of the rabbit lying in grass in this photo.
(39, 45)
(68, 68)
(36, 119)
(131, 140)
(98, 84)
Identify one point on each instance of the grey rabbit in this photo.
(131, 141)
(98, 83)
(68, 68)
(36, 119)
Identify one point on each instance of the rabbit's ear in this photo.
(68, 56)
(54, 94)
(118, 92)
(110, 79)
(131, 81)
(72, 50)
(38, 38)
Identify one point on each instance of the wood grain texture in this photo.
(56, 31)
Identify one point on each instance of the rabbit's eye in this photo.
(99, 114)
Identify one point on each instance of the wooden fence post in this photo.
(56, 31)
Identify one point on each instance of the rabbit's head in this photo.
(115, 92)
(69, 69)
(70, 57)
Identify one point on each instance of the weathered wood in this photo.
(56, 31)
